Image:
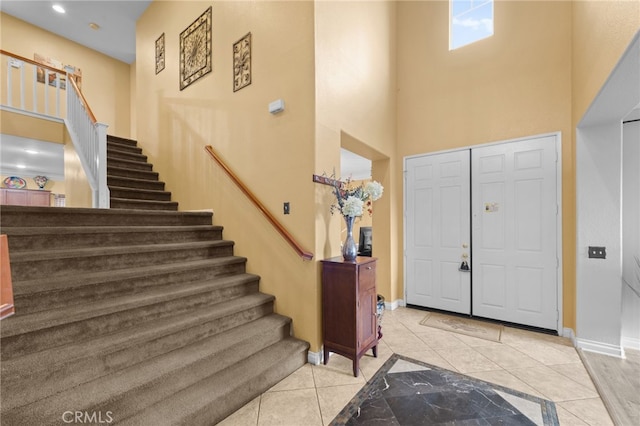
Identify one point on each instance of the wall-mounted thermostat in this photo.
(276, 106)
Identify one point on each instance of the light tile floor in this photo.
(534, 363)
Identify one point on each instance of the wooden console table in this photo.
(25, 197)
(349, 300)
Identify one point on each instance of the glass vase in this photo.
(349, 248)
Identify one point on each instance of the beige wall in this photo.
(26, 126)
(272, 154)
(513, 84)
(105, 81)
(356, 110)
(78, 192)
(602, 30)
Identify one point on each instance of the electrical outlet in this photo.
(287, 208)
(597, 252)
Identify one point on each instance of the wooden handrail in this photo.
(32, 62)
(59, 71)
(274, 222)
(84, 101)
(6, 288)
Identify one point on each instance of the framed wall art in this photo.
(242, 62)
(195, 50)
(160, 53)
(54, 78)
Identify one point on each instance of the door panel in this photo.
(438, 225)
(514, 232)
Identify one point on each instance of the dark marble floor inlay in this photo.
(409, 392)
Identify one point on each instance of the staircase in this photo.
(141, 317)
(131, 180)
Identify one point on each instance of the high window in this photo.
(470, 21)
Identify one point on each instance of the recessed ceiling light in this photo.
(31, 151)
(94, 26)
(21, 166)
(58, 8)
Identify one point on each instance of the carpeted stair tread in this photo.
(208, 401)
(52, 293)
(116, 146)
(37, 230)
(127, 152)
(20, 324)
(121, 140)
(13, 216)
(52, 284)
(205, 321)
(131, 182)
(25, 256)
(37, 375)
(126, 390)
(133, 337)
(40, 238)
(81, 238)
(139, 193)
(124, 172)
(57, 262)
(106, 251)
(129, 163)
(117, 203)
(116, 154)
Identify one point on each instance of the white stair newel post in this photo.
(103, 189)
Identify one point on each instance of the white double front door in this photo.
(494, 207)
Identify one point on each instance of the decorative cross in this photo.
(327, 181)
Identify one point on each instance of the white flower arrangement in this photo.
(352, 206)
(374, 189)
(351, 201)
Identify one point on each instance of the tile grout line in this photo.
(315, 387)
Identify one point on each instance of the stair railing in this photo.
(88, 136)
(90, 140)
(304, 254)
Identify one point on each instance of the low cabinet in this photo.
(349, 300)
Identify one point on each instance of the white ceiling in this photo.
(116, 36)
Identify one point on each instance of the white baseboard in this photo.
(599, 347)
(631, 343)
(394, 305)
(569, 333)
(315, 358)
